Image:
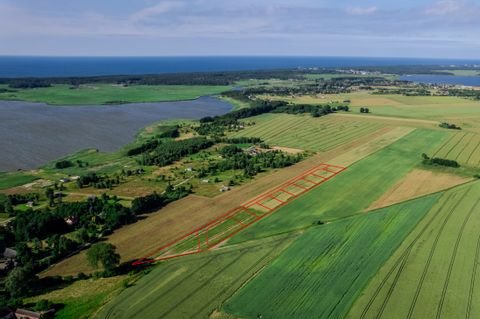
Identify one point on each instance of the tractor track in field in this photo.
(430, 257)
(476, 261)
(111, 310)
(444, 145)
(203, 285)
(473, 152)
(399, 259)
(452, 260)
(466, 145)
(394, 284)
(259, 261)
(456, 144)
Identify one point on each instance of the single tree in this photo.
(104, 254)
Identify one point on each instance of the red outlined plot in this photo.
(222, 228)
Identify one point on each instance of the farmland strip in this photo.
(452, 260)
(476, 261)
(390, 272)
(429, 259)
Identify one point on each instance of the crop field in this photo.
(321, 273)
(363, 183)
(396, 105)
(105, 93)
(194, 286)
(434, 273)
(227, 225)
(462, 147)
(307, 133)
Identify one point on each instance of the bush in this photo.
(63, 164)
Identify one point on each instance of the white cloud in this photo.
(156, 10)
(358, 11)
(444, 7)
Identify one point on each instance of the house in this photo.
(224, 189)
(253, 150)
(9, 253)
(6, 313)
(27, 314)
(72, 220)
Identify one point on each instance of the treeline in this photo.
(170, 151)
(251, 162)
(216, 126)
(449, 126)
(195, 78)
(165, 132)
(98, 181)
(417, 91)
(439, 161)
(149, 203)
(473, 94)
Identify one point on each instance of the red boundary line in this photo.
(244, 208)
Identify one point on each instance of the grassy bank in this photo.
(110, 93)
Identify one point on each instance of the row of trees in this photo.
(439, 161)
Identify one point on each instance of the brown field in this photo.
(418, 183)
(287, 149)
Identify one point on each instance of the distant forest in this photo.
(220, 78)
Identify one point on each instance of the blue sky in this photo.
(407, 28)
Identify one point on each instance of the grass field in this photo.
(434, 272)
(462, 147)
(193, 287)
(104, 93)
(353, 190)
(321, 274)
(80, 299)
(306, 132)
(9, 180)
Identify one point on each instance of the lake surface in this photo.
(23, 66)
(443, 79)
(35, 133)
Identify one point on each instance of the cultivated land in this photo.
(434, 272)
(321, 274)
(362, 183)
(305, 132)
(400, 106)
(388, 237)
(462, 147)
(195, 286)
(92, 94)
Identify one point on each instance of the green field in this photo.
(434, 272)
(193, 286)
(462, 147)
(360, 185)
(321, 274)
(9, 180)
(306, 132)
(95, 94)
